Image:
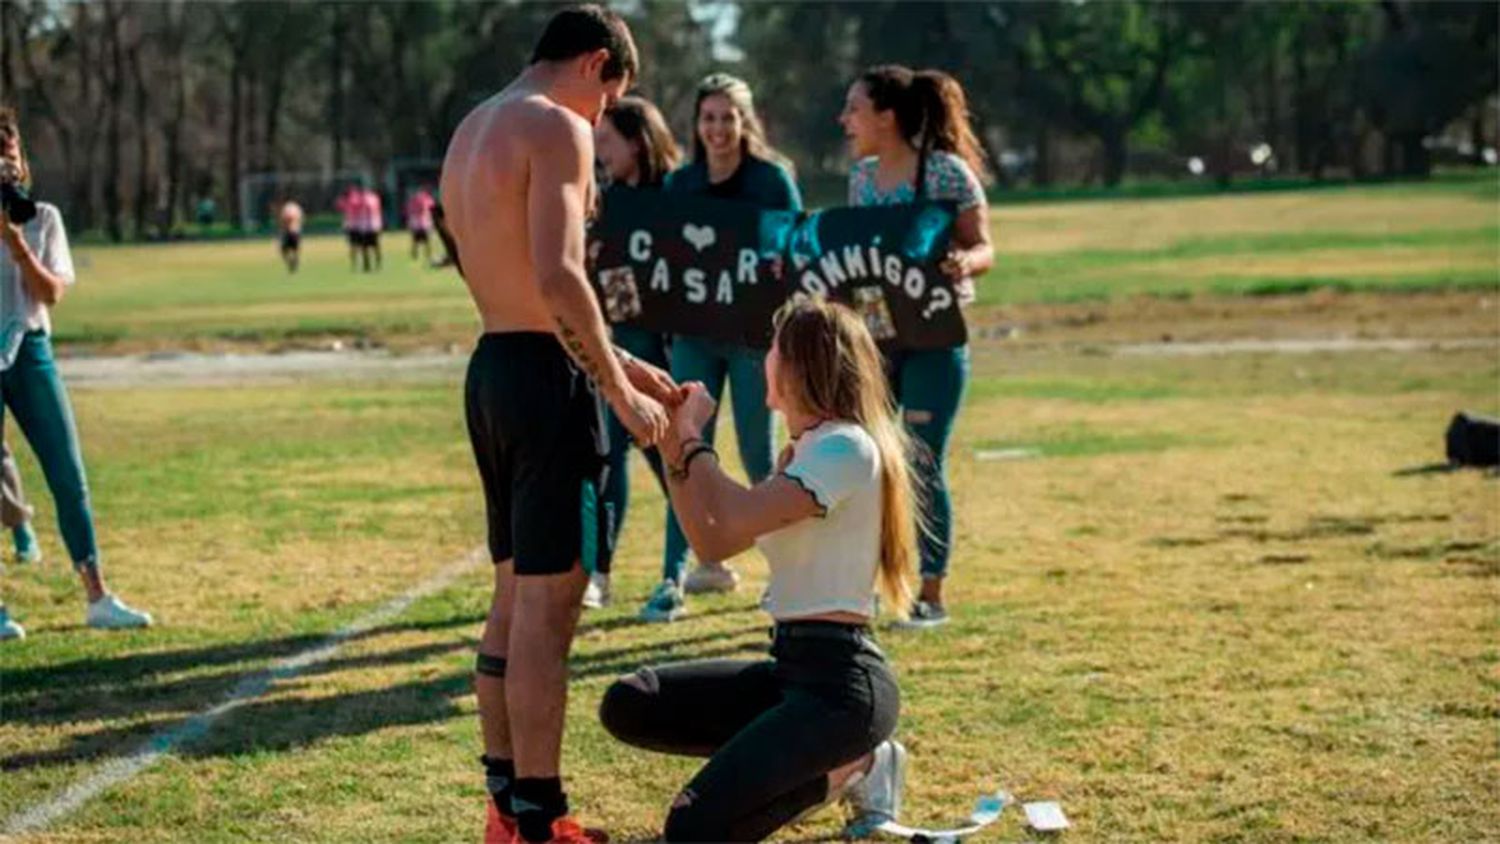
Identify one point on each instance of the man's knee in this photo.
(627, 704)
(549, 600)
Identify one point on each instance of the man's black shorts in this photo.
(355, 236)
(291, 240)
(537, 427)
(419, 235)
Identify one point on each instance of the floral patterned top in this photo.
(948, 177)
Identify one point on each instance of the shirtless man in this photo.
(291, 234)
(516, 183)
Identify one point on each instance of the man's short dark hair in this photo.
(584, 29)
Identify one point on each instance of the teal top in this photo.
(757, 181)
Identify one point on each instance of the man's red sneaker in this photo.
(569, 831)
(499, 829)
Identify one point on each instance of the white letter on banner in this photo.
(854, 259)
(814, 285)
(640, 246)
(726, 289)
(916, 283)
(661, 277)
(697, 290)
(874, 262)
(748, 260)
(893, 269)
(832, 270)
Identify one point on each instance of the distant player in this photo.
(291, 234)
(351, 206)
(374, 221)
(419, 222)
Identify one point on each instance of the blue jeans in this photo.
(34, 394)
(929, 385)
(651, 348)
(713, 362)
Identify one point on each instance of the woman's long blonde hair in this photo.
(832, 369)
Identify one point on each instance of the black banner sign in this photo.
(706, 267)
(687, 265)
(883, 262)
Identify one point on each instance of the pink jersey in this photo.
(352, 206)
(374, 221)
(419, 211)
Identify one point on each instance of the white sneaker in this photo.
(596, 594)
(876, 798)
(9, 629)
(924, 615)
(110, 613)
(704, 578)
(665, 604)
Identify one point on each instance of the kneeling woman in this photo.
(787, 734)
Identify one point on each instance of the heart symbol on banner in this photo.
(701, 237)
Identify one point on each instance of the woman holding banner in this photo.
(912, 141)
(732, 160)
(835, 523)
(635, 149)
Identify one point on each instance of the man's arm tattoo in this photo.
(574, 345)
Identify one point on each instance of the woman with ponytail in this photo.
(912, 141)
(836, 523)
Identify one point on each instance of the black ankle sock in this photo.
(500, 782)
(537, 802)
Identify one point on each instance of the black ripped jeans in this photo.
(772, 730)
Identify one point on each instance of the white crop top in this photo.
(828, 563)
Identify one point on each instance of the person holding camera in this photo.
(36, 267)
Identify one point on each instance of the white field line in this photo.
(122, 769)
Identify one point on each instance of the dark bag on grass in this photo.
(1473, 440)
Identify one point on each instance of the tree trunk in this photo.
(276, 88)
(1041, 173)
(1275, 121)
(1302, 136)
(177, 122)
(143, 168)
(236, 109)
(114, 92)
(1416, 159)
(336, 81)
(1116, 154)
(7, 64)
(1476, 133)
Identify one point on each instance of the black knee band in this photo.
(489, 666)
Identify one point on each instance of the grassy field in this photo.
(1438, 236)
(1216, 606)
(1223, 598)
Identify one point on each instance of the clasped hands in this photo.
(658, 411)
